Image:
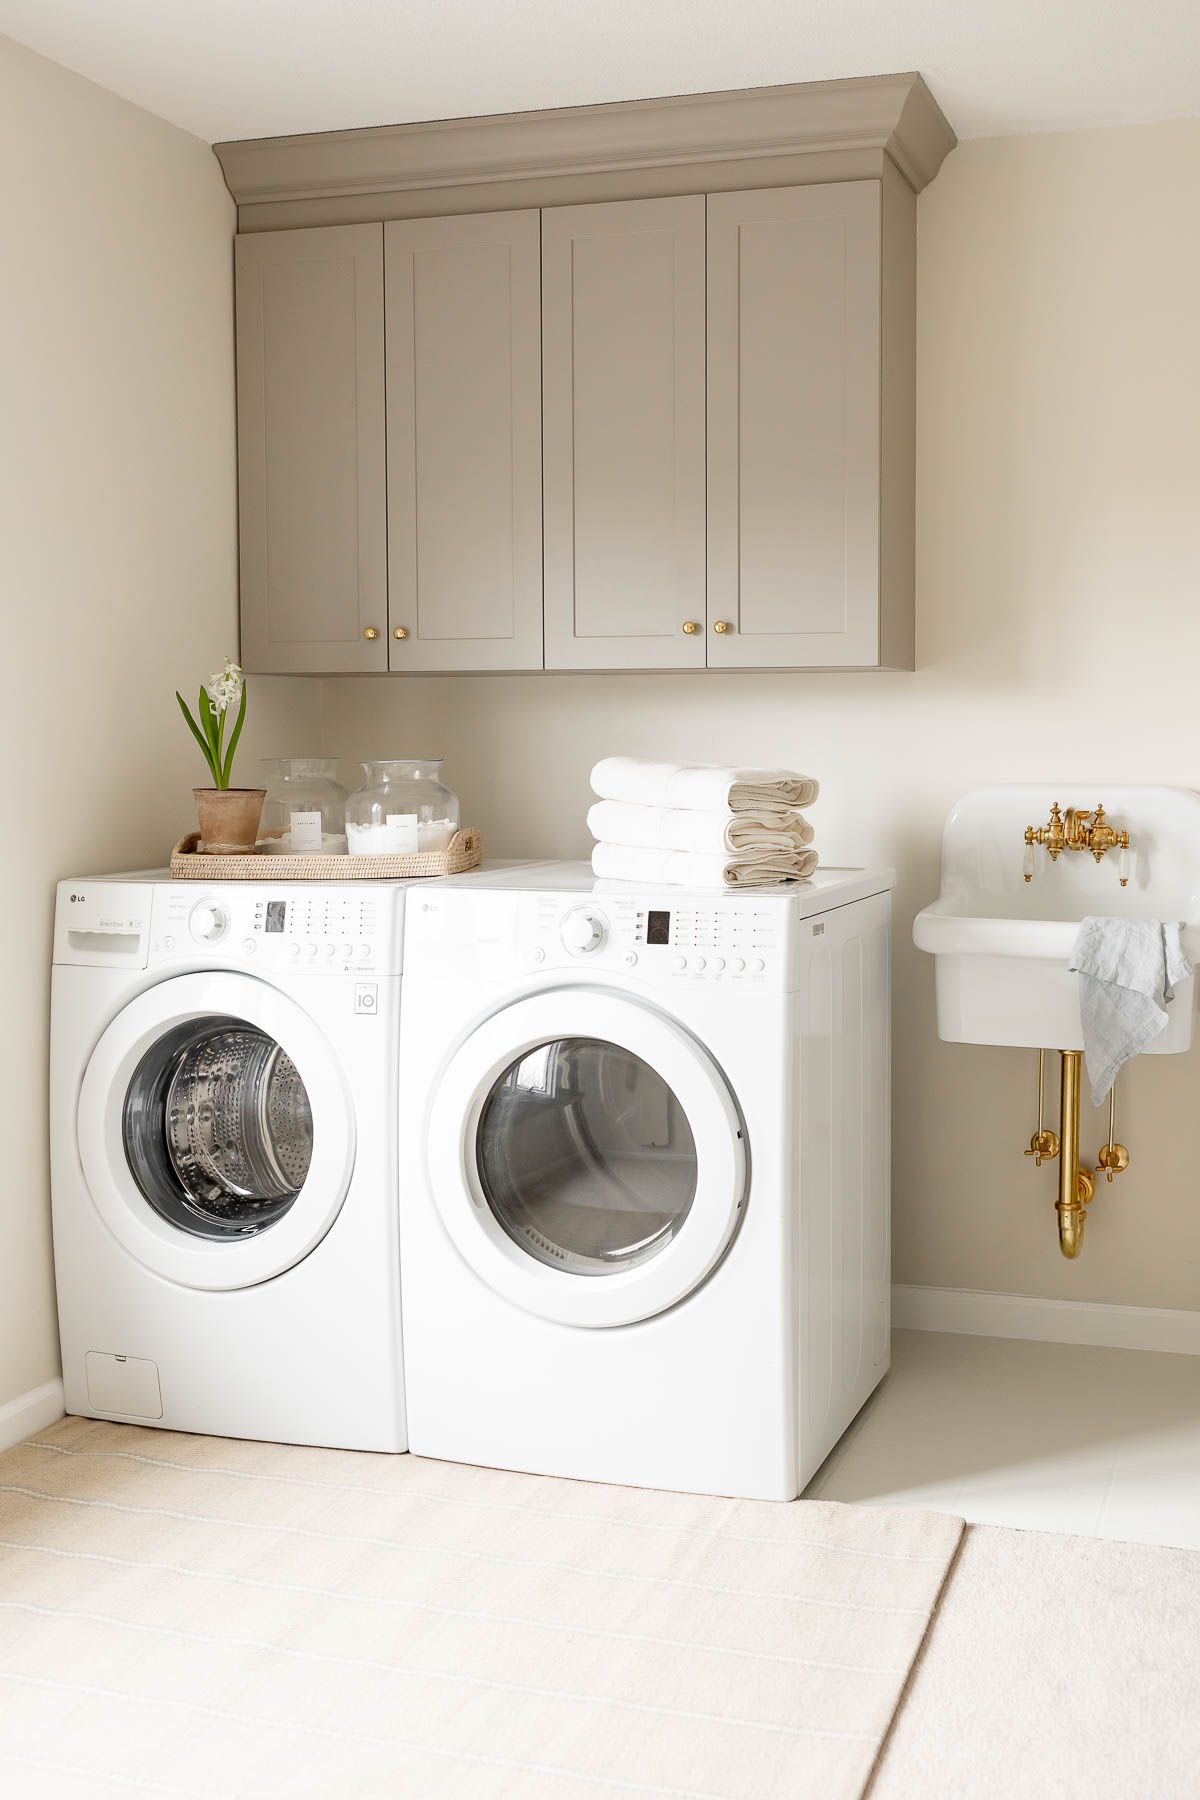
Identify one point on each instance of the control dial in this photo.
(207, 922)
(583, 932)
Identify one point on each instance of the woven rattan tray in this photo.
(189, 863)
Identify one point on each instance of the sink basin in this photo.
(1001, 945)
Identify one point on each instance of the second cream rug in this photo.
(191, 1616)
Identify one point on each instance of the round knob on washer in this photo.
(583, 932)
(206, 922)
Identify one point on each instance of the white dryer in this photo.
(649, 1239)
(223, 1156)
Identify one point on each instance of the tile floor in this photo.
(1049, 1437)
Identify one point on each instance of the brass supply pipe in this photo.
(1044, 1142)
(1113, 1157)
(1075, 1185)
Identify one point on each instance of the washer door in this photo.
(586, 1157)
(215, 1131)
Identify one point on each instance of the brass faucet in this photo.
(1077, 829)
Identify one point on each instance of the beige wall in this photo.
(117, 558)
(1059, 625)
(1059, 575)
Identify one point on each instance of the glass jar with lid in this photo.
(401, 809)
(304, 813)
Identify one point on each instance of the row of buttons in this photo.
(715, 965)
(344, 951)
(737, 965)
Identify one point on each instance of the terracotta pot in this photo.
(229, 819)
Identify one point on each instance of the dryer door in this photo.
(215, 1131)
(587, 1157)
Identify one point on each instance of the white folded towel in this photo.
(691, 868)
(711, 833)
(1128, 971)
(700, 787)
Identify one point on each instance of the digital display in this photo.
(275, 915)
(658, 928)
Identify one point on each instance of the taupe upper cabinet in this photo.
(311, 449)
(623, 381)
(650, 384)
(464, 439)
(809, 433)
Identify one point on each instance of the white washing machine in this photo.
(223, 1156)
(648, 1242)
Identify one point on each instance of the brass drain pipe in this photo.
(1076, 1186)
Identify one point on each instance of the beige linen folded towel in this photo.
(690, 868)
(711, 833)
(701, 787)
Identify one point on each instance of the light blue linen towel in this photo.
(1128, 971)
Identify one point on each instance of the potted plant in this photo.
(229, 817)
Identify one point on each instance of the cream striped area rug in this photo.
(191, 1616)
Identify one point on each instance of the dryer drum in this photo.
(218, 1128)
(586, 1157)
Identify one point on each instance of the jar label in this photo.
(305, 831)
(402, 834)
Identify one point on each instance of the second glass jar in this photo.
(402, 808)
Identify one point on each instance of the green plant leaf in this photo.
(233, 742)
(197, 734)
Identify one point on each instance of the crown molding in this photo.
(892, 113)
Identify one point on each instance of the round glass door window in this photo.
(218, 1129)
(586, 1157)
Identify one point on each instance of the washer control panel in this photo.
(335, 930)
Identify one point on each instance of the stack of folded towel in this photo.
(689, 824)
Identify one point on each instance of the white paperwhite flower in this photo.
(225, 686)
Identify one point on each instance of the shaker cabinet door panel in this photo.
(623, 381)
(794, 427)
(311, 477)
(464, 442)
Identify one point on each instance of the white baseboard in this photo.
(30, 1412)
(980, 1314)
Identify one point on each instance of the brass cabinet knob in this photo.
(722, 626)
(370, 633)
(690, 628)
(400, 632)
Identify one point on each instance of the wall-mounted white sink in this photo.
(1001, 945)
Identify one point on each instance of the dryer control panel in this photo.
(686, 938)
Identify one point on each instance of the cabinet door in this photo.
(794, 427)
(464, 438)
(623, 424)
(313, 517)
